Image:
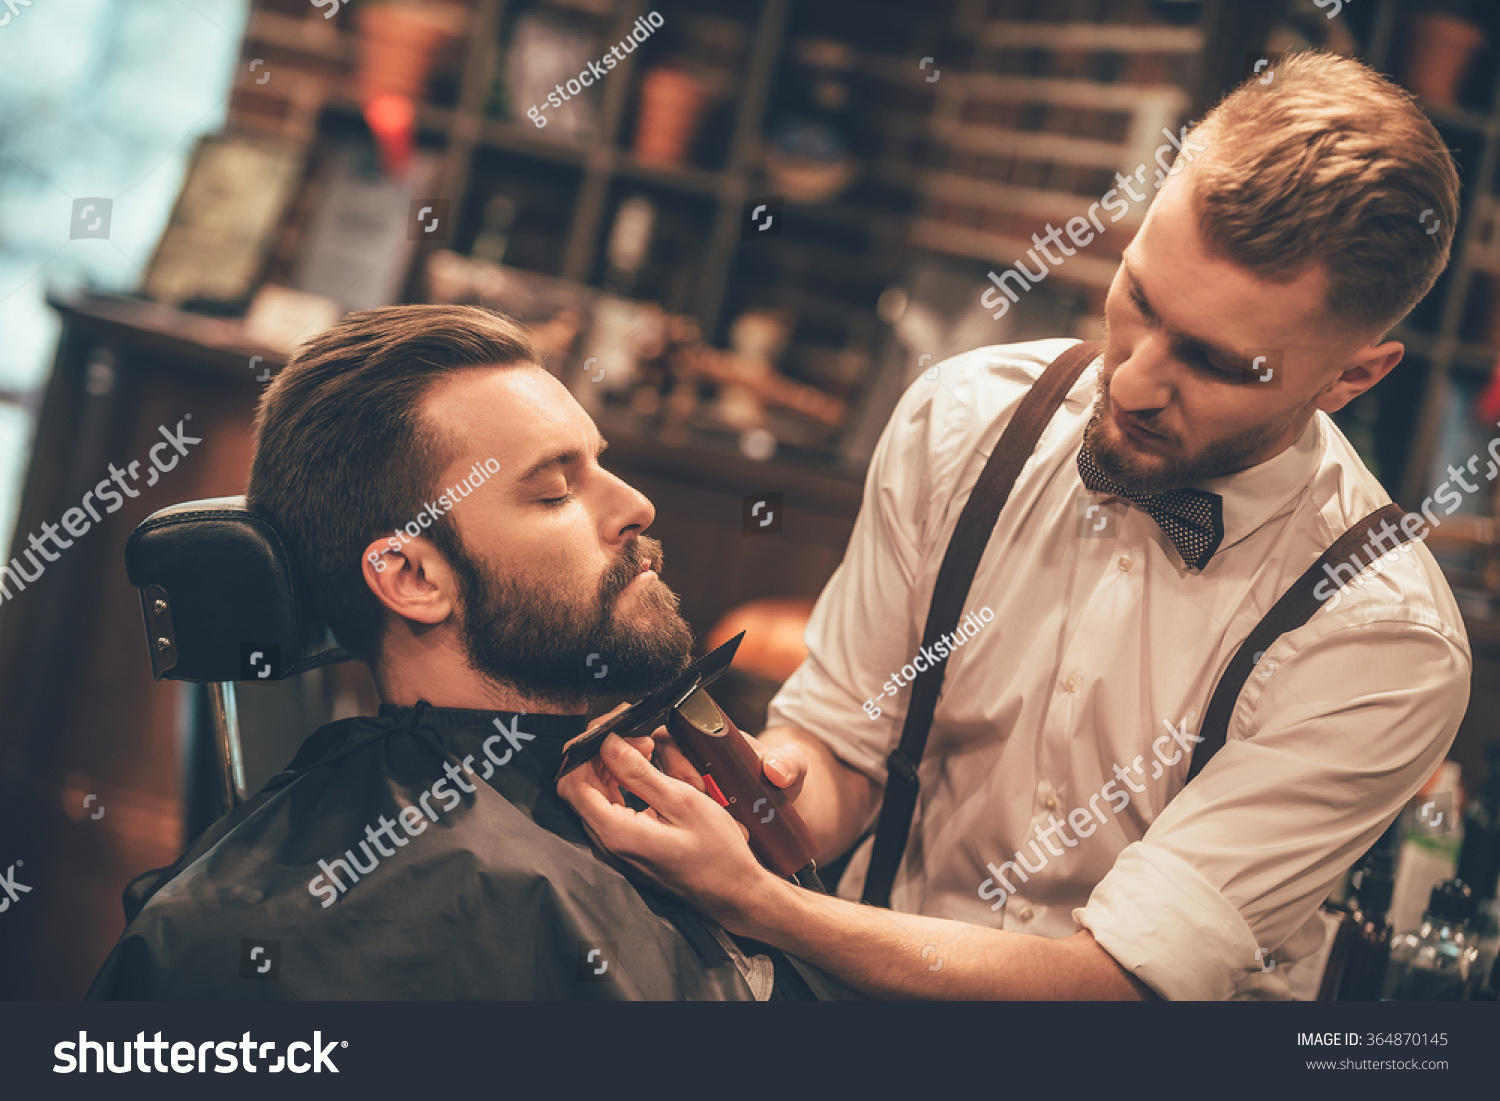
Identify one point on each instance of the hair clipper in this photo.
(733, 776)
(731, 769)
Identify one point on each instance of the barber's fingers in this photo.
(674, 762)
(681, 814)
(641, 837)
(593, 791)
(784, 764)
(586, 792)
(667, 795)
(593, 776)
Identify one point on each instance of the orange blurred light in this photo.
(392, 119)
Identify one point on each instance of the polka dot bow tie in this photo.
(1191, 518)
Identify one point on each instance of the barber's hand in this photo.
(782, 763)
(685, 841)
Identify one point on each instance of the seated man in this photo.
(443, 497)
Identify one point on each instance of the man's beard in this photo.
(539, 641)
(1143, 473)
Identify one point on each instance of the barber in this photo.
(1145, 773)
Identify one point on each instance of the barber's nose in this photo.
(1142, 383)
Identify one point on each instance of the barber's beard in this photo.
(538, 637)
(1147, 472)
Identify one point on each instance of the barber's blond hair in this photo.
(1330, 163)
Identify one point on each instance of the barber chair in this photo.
(223, 603)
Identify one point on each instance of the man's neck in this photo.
(469, 690)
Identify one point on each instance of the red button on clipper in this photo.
(713, 791)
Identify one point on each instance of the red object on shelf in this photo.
(392, 119)
(398, 43)
(1439, 49)
(1489, 401)
(672, 103)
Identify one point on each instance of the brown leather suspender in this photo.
(955, 575)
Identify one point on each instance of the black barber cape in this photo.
(495, 893)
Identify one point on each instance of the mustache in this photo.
(625, 568)
(1103, 400)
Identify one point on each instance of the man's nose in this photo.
(630, 511)
(1143, 383)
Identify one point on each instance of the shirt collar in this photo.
(549, 732)
(1261, 492)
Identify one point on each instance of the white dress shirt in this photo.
(1101, 644)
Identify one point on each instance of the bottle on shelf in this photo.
(1428, 852)
(1479, 863)
(1434, 963)
(1367, 932)
(629, 244)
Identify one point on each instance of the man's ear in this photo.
(412, 579)
(1367, 367)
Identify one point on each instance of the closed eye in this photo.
(556, 502)
(1202, 360)
(1194, 353)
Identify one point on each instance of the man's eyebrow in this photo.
(1181, 342)
(549, 463)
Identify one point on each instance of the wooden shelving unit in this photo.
(826, 279)
(1436, 333)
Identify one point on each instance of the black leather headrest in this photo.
(221, 596)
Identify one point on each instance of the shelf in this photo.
(1124, 37)
(1458, 117)
(713, 460)
(698, 181)
(440, 121)
(313, 37)
(222, 345)
(1417, 343)
(1475, 357)
(510, 137)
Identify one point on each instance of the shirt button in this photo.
(1025, 913)
(1126, 561)
(1072, 682)
(1052, 802)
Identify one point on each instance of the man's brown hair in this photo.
(343, 453)
(1330, 162)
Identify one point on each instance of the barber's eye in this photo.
(1198, 359)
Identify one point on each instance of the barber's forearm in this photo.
(881, 952)
(836, 802)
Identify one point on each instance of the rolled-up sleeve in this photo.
(1360, 707)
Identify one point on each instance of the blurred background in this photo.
(737, 245)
